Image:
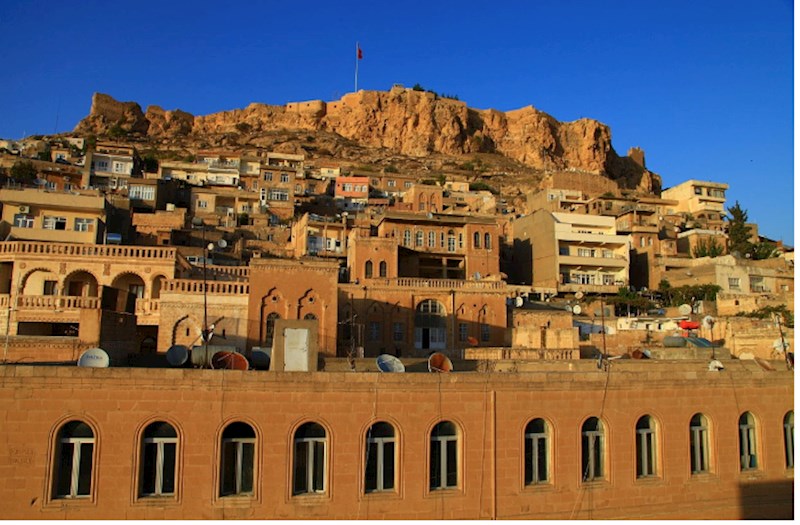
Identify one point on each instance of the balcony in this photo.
(91, 251)
(440, 284)
(53, 308)
(591, 288)
(593, 262)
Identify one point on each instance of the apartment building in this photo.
(351, 193)
(703, 200)
(109, 166)
(564, 253)
(40, 215)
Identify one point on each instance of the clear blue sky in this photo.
(705, 87)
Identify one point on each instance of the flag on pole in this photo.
(359, 54)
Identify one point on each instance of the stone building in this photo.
(564, 441)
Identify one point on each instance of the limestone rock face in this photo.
(106, 112)
(403, 121)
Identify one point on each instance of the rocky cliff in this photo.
(403, 121)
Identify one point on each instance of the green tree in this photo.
(150, 163)
(738, 231)
(23, 171)
(707, 248)
(765, 250)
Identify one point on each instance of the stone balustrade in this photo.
(51, 249)
(192, 286)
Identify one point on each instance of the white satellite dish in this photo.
(518, 302)
(708, 321)
(222, 243)
(579, 295)
(576, 309)
(389, 363)
(94, 358)
(568, 308)
(177, 355)
(685, 309)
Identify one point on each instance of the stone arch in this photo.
(81, 283)
(309, 303)
(32, 281)
(186, 331)
(130, 282)
(156, 284)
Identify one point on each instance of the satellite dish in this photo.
(518, 302)
(472, 341)
(685, 309)
(389, 363)
(229, 361)
(438, 362)
(260, 358)
(94, 358)
(177, 355)
(715, 366)
(222, 243)
(576, 309)
(210, 246)
(579, 295)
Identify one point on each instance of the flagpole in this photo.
(356, 90)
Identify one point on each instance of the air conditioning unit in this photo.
(24, 209)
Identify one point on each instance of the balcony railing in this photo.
(192, 286)
(56, 302)
(444, 284)
(85, 250)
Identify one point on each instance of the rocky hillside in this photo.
(400, 122)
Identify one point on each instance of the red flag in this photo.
(359, 54)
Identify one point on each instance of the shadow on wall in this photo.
(767, 500)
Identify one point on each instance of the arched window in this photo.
(270, 332)
(451, 241)
(382, 269)
(748, 453)
(698, 444)
(430, 325)
(645, 447)
(431, 239)
(420, 238)
(407, 238)
(73, 461)
(476, 240)
(444, 456)
(309, 317)
(537, 452)
(309, 459)
(238, 460)
(487, 241)
(592, 450)
(368, 269)
(788, 438)
(158, 460)
(379, 474)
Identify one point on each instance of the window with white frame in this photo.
(420, 238)
(119, 167)
(54, 223)
(487, 241)
(276, 194)
(585, 252)
(102, 165)
(444, 456)
(431, 239)
(537, 453)
(83, 224)
(748, 452)
(698, 444)
(310, 442)
(284, 177)
(734, 283)
(391, 183)
(73, 461)
(592, 450)
(158, 460)
(23, 220)
(451, 241)
(645, 447)
(146, 193)
(379, 472)
(237, 464)
(201, 204)
(608, 279)
(407, 184)
(407, 238)
(268, 177)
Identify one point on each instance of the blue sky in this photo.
(705, 87)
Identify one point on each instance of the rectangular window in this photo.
(536, 461)
(563, 250)
(698, 191)
(102, 165)
(309, 465)
(119, 167)
(398, 332)
(407, 184)
(202, 204)
(147, 193)
(608, 279)
(733, 283)
(158, 466)
(54, 223)
(278, 195)
(84, 225)
(268, 177)
(284, 177)
(585, 252)
(443, 468)
(391, 183)
(49, 288)
(485, 332)
(462, 331)
(380, 458)
(23, 220)
(237, 466)
(374, 333)
(645, 453)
